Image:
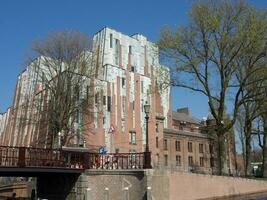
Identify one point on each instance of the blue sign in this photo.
(102, 150)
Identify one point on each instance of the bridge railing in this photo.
(37, 157)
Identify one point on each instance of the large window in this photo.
(178, 160)
(190, 147)
(109, 103)
(157, 142)
(177, 145)
(165, 144)
(132, 138)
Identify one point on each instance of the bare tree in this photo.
(208, 53)
(65, 68)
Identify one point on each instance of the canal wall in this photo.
(175, 185)
(160, 185)
(110, 185)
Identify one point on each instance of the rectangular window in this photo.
(177, 145)
(157, 127)
(190, 147)
(104, 120)
(104, 100)
(157, 142)
(123, 106)
(96, 98)
(117, 44)
(201, 148)
(110, 40)
(178, 160)
(201, 161)
(132, 138)
(122, 82)
(132, 69)
(123, 124)
(190, 161)
(130, 49)
(109, 103)
(165, 144)
(166, 160)
(133, 105)
(142, 87)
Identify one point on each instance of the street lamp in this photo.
(147, 109)
(147, 153)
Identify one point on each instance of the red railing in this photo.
(37, 157)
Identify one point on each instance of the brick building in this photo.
(128, 75)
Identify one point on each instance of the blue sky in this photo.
(21, 22)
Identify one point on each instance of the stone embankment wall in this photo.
(110, 185)
(160, 185)
(174, 185)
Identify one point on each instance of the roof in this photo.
(184, 117)
(185, 133)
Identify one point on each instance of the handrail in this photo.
(58, 158)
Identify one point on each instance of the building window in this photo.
(104, 120)
(190, 147)
(96, 98)
(132, 69)
(200, 148)
(132, 138)
(178, 160)
(123, 106)
(142, 87)
(123, 124)
(104, 100)
(177, 145)
(110, 40)
(122, 82)
(133, 105)
(130, 49)
(117, 44)
(165, 144)
(190, 161)
(109, 103)
(201, 161)
(157, 127)
(166, 160)
(157, 142)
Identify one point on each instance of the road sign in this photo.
(102, 150)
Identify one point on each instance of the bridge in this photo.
(63, 165)
(16, 158)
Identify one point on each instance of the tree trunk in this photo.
(221, 155)
(248, 156)
(264, 152)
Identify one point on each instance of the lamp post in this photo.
(147, 153)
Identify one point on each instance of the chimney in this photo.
(184, 110)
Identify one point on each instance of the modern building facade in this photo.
(128, 75)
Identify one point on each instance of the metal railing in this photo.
(58, 158)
